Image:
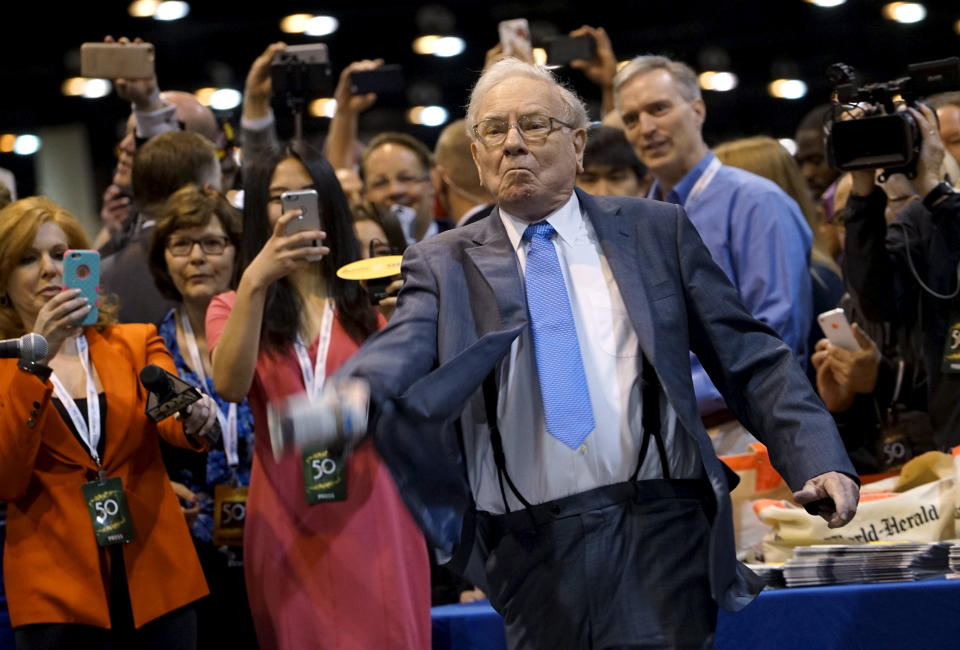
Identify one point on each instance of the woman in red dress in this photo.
(350, 569)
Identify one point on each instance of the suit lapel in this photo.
(617, 234)
(502, 305)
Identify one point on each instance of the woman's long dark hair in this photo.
(282, 313)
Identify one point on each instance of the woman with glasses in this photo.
(80, 460)
(192, 257)
(333, 559)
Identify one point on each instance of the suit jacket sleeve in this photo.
(754, 370)
(394, 358)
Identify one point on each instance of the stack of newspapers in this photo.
(955, 559)
(771, 574)
(887, 562)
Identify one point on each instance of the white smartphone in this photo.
(837, 329)
(515, 38)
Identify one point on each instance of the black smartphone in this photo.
(561, 50)
(385, 79)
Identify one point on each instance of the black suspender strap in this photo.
(650, 419)
(490, 402)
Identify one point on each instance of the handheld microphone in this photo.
(29, 347)
(169, 394)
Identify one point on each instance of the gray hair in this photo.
(686, 79)
(575, 112)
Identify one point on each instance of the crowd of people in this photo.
(603, 307)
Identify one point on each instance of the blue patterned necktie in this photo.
(563, 382)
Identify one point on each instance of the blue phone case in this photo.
(81, 270)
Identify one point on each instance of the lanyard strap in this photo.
(228, 424)
(89, 434)
(703, 181)
(314, 377)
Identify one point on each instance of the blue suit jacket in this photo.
(463, 304)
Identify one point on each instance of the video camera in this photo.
(883, 137)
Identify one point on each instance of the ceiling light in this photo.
(827, 3)
(143, 8)
(295, 23)
(718, 81)
(171, 10)
(321, 26)
(323, 107)
(26, 145)
(789, 144)
(449, 46)
(905, 12)
(787, 88)
(203, 95)
(225, 99)
(426, 44)
(86, 87)
(427, 115)
(6, 142)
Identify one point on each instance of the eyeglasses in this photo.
(183, 246)
(534, 127)
(377, 248)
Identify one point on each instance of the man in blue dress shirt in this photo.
(754, 231)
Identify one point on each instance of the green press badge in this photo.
(109, 513)
(324, 477)
(951, 347)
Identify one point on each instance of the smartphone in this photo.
(564, 49)
(515, 38)
(385, 79)
(81, 270)
(116, 60)
(308, 202)
(837, 329)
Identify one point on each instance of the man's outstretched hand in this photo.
(840, 488)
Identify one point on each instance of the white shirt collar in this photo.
(566, 220)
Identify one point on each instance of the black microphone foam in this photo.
(155, 379)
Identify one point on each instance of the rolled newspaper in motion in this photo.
(337, 419)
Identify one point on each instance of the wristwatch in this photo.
(939, 192)
(34, 368)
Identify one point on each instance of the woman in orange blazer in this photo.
(64, 589)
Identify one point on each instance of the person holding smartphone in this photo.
(97, 553)
(332, 557)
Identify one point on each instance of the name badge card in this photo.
(109, 513)
(229, 515)
(324, 477)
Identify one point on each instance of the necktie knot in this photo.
(542, 231)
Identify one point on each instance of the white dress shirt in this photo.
(542, 467)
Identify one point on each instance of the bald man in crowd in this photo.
(456, 180)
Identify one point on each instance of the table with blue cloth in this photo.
(922, 614)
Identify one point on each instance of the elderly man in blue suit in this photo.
(533, 399)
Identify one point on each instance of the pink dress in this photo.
(347, 574)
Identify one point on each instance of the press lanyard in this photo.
(313, 378)
(228, 424)
(703, 181)
(89, 434)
